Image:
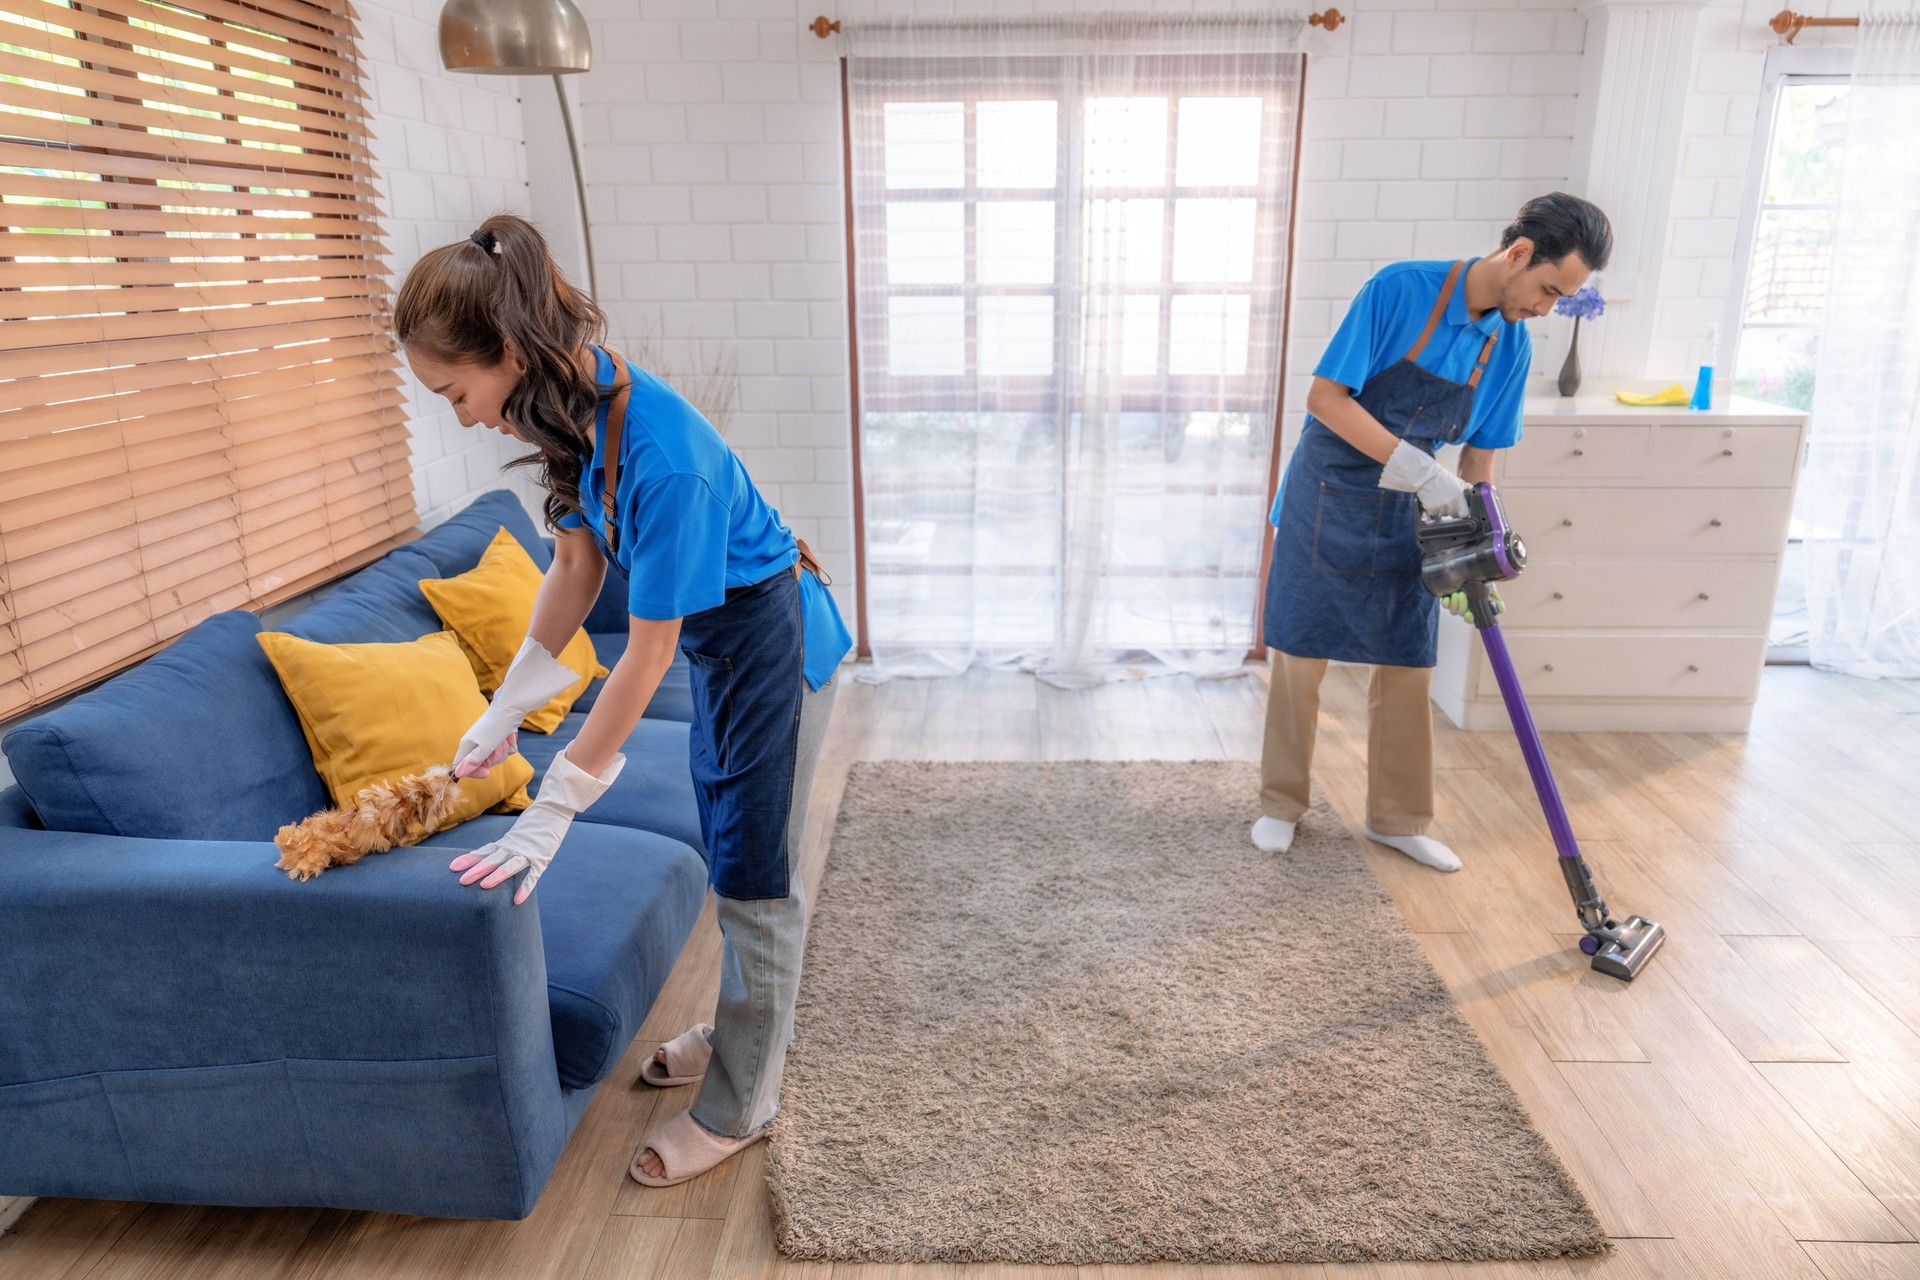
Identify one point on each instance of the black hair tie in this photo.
(486, 240)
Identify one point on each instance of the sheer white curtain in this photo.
(1070, 248)
(1860, 497)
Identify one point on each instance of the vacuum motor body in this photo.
(1479, 547)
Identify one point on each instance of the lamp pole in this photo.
(526, 37)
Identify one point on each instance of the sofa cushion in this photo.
(489, 609)
(456, 545)
(653, 793)
(614, 907)
(196, 743)
(381, 604)
(374, 713)
(673, 700)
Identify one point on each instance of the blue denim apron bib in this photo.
(1345, 579)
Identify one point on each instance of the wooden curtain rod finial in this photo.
(1790, 24)
(822, 27)
(1330, 20)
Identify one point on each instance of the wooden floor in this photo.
(1750, 1107)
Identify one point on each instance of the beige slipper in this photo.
(687, 1149)
(687, 1055)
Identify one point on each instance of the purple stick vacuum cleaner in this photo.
(1468, 553)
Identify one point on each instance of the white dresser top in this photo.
(1601, 407)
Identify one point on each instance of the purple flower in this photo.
(1587, 304)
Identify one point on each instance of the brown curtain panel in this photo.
(200, 404)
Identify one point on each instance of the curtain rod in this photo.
(1331, 20)
(1789, 24)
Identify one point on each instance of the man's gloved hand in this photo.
(1413, 470)
(1458, 605)
(535, 679)
(535, 836)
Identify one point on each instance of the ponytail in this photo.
(467, 302)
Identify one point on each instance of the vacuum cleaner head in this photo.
(1627, 952)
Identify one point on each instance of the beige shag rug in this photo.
(1066, 1013)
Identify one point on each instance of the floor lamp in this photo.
(524, 38)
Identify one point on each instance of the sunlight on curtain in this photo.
(1860, 496)
(1070, 244)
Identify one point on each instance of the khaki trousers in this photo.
(1399, 744)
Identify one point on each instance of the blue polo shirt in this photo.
(691, 522)
(1385, 321)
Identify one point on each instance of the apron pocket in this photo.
(1346, 531)
(1430, 423)
(710, 681)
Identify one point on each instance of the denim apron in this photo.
(1345, 580)
(746, 662)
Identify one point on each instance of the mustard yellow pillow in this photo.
(374, 712)
(489, 608)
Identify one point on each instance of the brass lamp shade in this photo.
(514, 37)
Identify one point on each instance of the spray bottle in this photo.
(1703, 384)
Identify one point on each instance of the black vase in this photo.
(1570, 371)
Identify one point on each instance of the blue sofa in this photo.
(181, 1022)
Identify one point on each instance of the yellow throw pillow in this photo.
(374, 712)
(490, 607)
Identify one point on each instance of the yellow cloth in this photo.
(1675, 394)
(489, 609)
(376, 712)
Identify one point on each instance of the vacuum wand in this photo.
(1467, 554)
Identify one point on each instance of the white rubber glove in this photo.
(534, 679)
(1414, 470)
(535, 835)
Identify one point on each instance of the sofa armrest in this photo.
(176, 993)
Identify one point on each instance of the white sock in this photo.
(1271, 835)
(1422, 849)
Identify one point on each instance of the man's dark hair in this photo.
(1560, 224)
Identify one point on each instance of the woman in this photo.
(635, 475)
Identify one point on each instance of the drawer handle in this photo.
(1704, 596)
(1568, 524)
(1726, 453)
(1579, 433)
(1692, 668)
(1581, 453)
(1548, 667)
(1715, 522)
(1729, 433)
(1558, 596)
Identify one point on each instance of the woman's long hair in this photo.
(464, 303)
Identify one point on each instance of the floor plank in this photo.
(1846, 1261)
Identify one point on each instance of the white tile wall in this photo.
(450, 152)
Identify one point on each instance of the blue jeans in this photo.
(762, 943)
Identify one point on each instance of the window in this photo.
(1069, 302)
(199, 403)
(1787, 247)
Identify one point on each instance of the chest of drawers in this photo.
(1654, 541)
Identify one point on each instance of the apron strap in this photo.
(1433, 322)
(610, 456)
(1439, 309)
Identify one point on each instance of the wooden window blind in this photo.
(200, 405)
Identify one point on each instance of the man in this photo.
(1430, 354)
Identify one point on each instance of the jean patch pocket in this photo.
(1346, 531)
(1430, 422)
(710, 682)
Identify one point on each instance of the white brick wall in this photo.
(450, 152)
